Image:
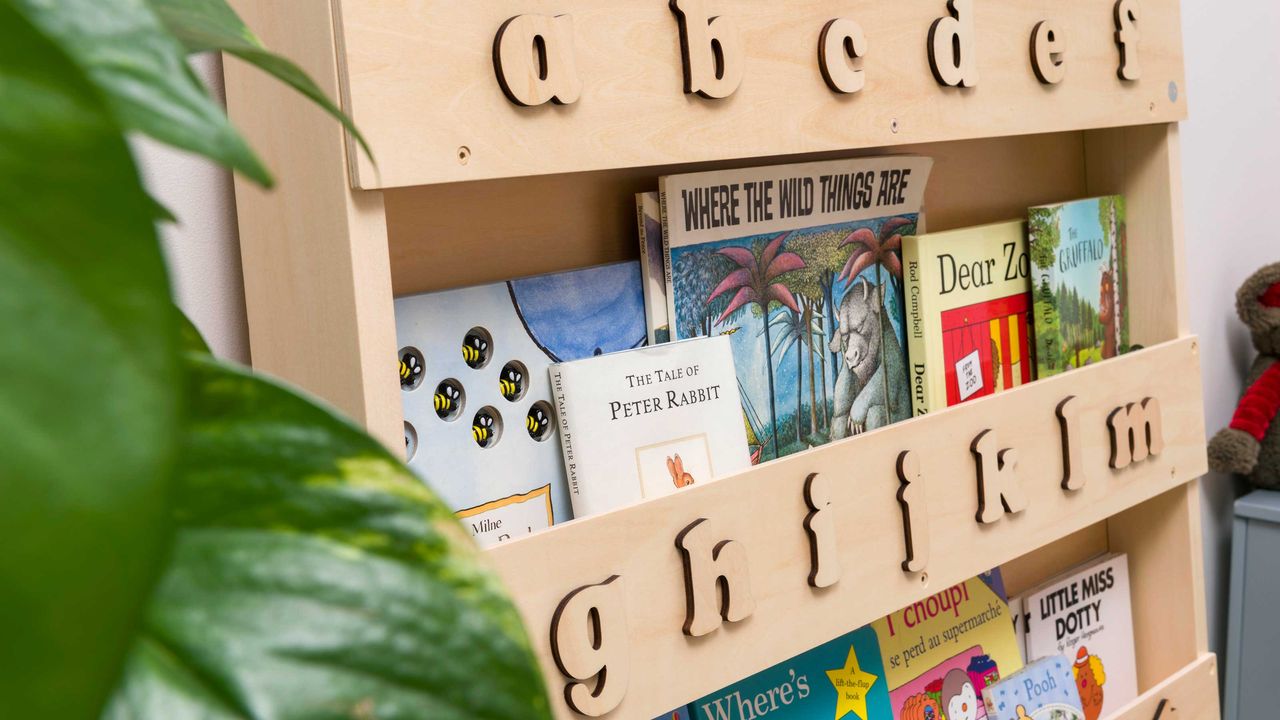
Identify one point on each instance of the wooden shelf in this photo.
(1190, 693)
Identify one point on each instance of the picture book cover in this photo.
(839, 680)
(968, 313)
(1044, 690)
(801, 266)
(1018, 612)
(1087, 616)
(941, 653)
(648, 422)
(479, 424)
(649, 225)
(1080, 282)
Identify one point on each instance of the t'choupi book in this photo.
(1044, 690)
(1080, 282)
(942, 652)
(1086, 616)
(648, 422)
(479, 427)
(801, 266)
(649, 227)
(968, 313)
(842, 679)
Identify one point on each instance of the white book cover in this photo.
(1087, 617)
(649, 227)
(648, 422)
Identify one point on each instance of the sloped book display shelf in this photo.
(511, 137)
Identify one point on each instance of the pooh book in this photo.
(648, 422)
(801, 266)
(942, 652)
(479, 425)
(1044, 690)
(842, 679)
(968, 313)
(1086, 616)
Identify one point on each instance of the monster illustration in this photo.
(870, 350)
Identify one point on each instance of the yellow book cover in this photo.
(941, 652)
(968, 313)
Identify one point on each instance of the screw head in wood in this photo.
(464, 155)
(893, 126)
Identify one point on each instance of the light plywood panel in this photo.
(420, 83)
(1191, 693)
(763, 509)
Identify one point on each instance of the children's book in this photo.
(646, 423)
(1044, 690)
(941, 653)
(1080, 283)
(479, 424)
(1018, 612)
(1086, 616)
(649, 225)
(968, 313)
(842, 679)
(801, 266)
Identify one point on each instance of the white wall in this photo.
(1231, 150)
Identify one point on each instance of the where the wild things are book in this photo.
(1080, 282)
(968, 313)
(801, 266)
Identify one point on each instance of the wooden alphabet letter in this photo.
(952, 46)
(1127, 39)
(915, 512)
(534, 60)
(711, 50)
(716, 582)
(1137, 432)
(1047, 52)
(1073, 476)
(840, 46)
(821, 526)
(998, 486)
(589, 640)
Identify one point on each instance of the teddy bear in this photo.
(1250, 444)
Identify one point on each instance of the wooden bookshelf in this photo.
(471, 187)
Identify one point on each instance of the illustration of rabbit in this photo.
(675, 466)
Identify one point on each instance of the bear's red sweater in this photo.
(1260, 404)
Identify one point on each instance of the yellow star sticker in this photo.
(852, 685)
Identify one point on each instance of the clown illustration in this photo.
(1090, 677)
(959, 699)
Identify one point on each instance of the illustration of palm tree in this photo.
(881, 251)
(755, 282)
(793, 326)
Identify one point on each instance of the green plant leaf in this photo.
(142, 71)
(312, 576)
(87, 370)
(204, 25)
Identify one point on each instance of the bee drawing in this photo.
(448, 401)
(410, 370)
(475, 350)
(511, 383)
(537, 422)
(483, 431)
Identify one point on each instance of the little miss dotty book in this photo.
(648, 422)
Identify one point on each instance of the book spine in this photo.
(673, 325)
(650, 322)
(919, 368)
(560, 402)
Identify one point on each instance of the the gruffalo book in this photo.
(479, 425)
(1044, 690)
(1080, 282)
(801, 266)
(968, 313)
(648, 422)
(842, 679)
(942, 652)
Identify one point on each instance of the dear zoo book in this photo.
(801, 266)
(1080, 282)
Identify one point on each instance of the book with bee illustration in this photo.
(969, 313)
(649, 226)
(801, 266)
(648, 422)
(479, 424)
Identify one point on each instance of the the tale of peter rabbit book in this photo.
(801, 266)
